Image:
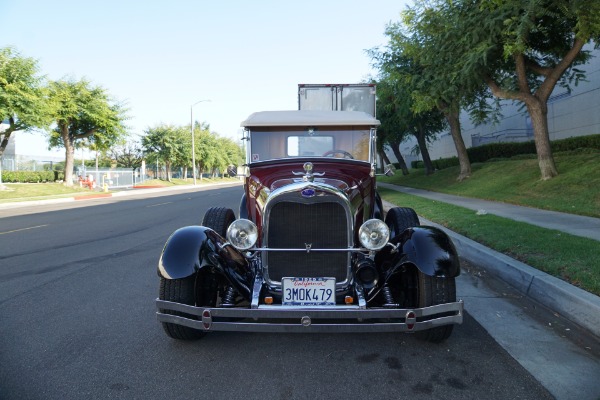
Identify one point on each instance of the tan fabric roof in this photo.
(309, 118)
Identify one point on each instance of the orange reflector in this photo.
(268, 300)
(349, 299)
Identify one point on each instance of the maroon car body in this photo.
(310, 250)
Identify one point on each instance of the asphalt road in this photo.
(77, 290)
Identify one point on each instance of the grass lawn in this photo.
(568, 257)
(576, 190)
(40, 191)
(44, 191)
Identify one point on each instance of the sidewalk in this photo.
(573, 303)
(569, 223)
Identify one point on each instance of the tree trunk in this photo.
(461, 149)
(538, 111)
(5, 139)
(396, 150)
(69, 155)
(3, 145)
(384, 158)
(420, 135)
(168, 170)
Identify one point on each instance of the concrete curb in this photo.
(573, 303)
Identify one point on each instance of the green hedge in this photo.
(437, 164)
(499, 150)
(520, 150)
(31, 176)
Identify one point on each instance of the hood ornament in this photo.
(308, 169)
(308, 175)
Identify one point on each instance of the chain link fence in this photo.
(92, 177)
(28, 163)
(109, 178)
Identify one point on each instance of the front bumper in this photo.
(276, 318)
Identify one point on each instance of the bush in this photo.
(437, 164)
(518, 151)
(415, 164)
(28, 176)
(575, 143)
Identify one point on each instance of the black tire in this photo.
(435, 290)
(179, 291)
(218, 219)
(431, 290)
(400, 218)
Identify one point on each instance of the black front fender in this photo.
(192, 248)
(426, 247)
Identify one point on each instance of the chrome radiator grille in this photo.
(296, 226)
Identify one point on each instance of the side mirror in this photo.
(389, 170)
(232, 170)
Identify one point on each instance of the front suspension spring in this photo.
(229, 297)
(389, 299)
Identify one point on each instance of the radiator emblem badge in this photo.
(308, 192)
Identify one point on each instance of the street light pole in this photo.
(192, 132)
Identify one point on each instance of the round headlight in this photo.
(242, 234)
(374, 234)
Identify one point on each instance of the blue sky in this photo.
(160, 57)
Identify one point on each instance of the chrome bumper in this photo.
(311, 319)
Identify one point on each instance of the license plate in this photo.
(308, 291)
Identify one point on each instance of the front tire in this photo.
(179, 291)
(430, 290)
(435, 290)
(400, 218)
(218, 219)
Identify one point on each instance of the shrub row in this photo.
(32, 176)
(498, 151)
(437, 164)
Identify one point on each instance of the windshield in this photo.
(273, 143)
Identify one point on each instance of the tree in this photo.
(418, 41)
(184, 157)
(82, 111)
(207, 151)
(424, 126)
(165, 142)
(391, 132)
(522, 50)
(397, 114)
(213, 152)
(128, 154)
(22, 100)
(230, 153)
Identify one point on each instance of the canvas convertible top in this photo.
(309, 118)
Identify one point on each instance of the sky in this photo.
(161, 57)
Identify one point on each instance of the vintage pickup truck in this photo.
(311, 249)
